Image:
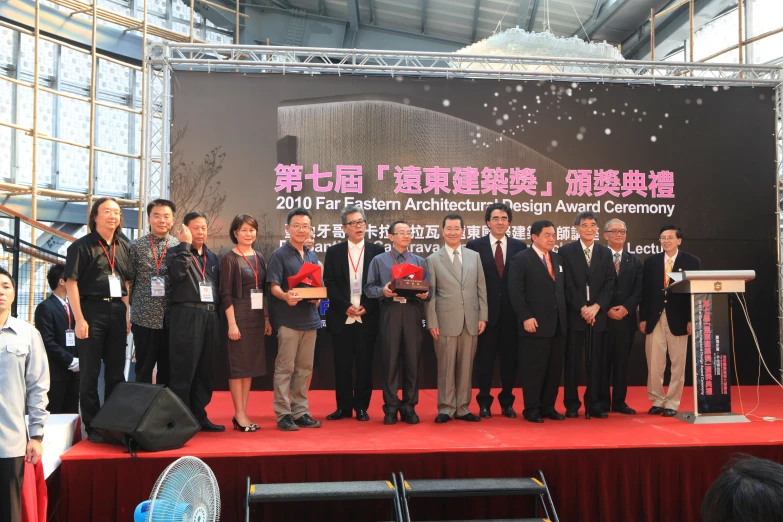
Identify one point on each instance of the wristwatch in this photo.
(39, 438)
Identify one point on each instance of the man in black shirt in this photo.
(97, 271)
(195, 328)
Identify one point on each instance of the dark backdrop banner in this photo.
(418, 149)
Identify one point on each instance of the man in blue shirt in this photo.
(401, 330)
(297, 322)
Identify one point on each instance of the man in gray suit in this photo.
(456, 316)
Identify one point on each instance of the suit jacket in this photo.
(655, 299)
(52, 321)
(600, 276)
(627, 292)
(497, 286)
(535, 294)
(337, 279)
(456, 299)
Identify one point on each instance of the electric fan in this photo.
(186, 491)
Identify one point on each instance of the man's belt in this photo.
(209, 307)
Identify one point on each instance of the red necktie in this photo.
(548, 262)
(499, 259)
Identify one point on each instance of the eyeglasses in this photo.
(662, 239)
(404, 234)
(617, 232)
(356, 224)
(303, 228)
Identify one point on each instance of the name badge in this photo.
(70, 338)
(205, 290)
(356, 288)
(158, 286)
(256, 299)
(115, 290)
(401, 300)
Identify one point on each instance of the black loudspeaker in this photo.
(145, 415)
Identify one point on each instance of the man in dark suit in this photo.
(665, 318)
(621, 319)
(590, 279)
(537, 291)
(500, 337)
(55, 322)
(352, 317)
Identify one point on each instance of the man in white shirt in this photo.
(24, 382)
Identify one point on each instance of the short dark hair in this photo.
(497, 206)
(538, 226)
(160, 203)
(587, 214)
(190, 216)
(237, 223)
(453, 216)
(54, 275)
(5, 272)
(299, 211)
(677, 229)
(749, 489)
(94, 213)
(398, 222)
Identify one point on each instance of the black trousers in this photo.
(152, 347)
(11, 479)
(541, 359)
(574, 358)
(617, 349)
(107, 337)
(195, 335)
(64, 395)
(401, 334)
(353, 350)
(499, 340)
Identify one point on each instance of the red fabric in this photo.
(404, 270)
(499, 258)
(643, 468)
(309, 274)
(34, 494)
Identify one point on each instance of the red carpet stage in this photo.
(625, 468)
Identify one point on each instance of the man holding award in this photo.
(294, 278)
(399, 279)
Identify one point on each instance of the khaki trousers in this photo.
(455, 368)
(293, 371)
(657, 344)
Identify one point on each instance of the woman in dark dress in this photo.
(242, 279)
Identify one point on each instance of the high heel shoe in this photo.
(239, 427)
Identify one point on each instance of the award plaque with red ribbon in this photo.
(407, 280)
(309, 277)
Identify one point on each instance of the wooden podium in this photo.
(711, 341)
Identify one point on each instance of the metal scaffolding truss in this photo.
(162, 59)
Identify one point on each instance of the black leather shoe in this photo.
(535, 418)
(410, 418)
(554, 416)
(468, 417)
(287, 424)
(484, 412)
(95, 437)
(390, 418)
(625, 410)
(361, 415)
(655, 410)
(509, 412)
(306, 421)
(598, 414)
(572, 414)
(668, 412)
(339, 414)
(208, 425)
(442, 418)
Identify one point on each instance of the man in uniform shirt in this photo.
(150, 293)
(54, 320)
(352, 317)
(195, 327)
(24, 382)
(97, 272)
(401, 327)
